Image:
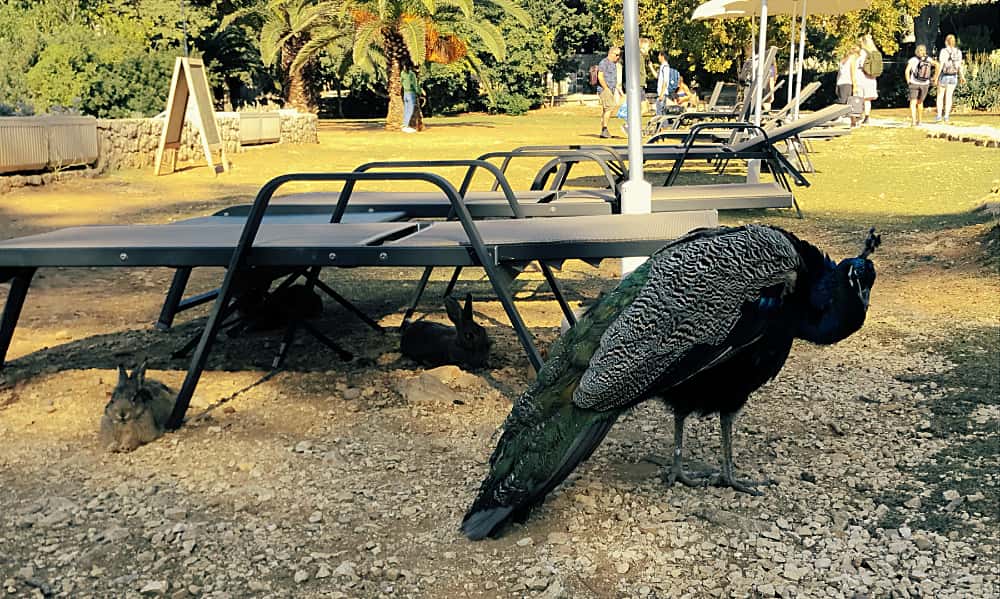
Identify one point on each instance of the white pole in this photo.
(753, 167)
(802, 53)
(791, 56)
(636, 192)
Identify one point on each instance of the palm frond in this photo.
(414, 32)
(492, 38)
(249, 11)
(512, 8)
(273, 35)
(365, 37)
(466, 6)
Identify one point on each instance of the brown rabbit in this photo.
(137, 412)
(433, 344)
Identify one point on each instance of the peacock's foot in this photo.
(689, 479)
(744, 486)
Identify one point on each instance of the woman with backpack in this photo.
(920, 71)
(869, 70)
(952, 71)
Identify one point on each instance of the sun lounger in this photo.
(499, 247)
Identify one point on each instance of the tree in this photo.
(287, 28)
(390, 35)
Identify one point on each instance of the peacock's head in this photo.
(858, 274)
(840, 299)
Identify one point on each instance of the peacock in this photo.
(703, 323)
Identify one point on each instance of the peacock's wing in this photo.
(690, 314)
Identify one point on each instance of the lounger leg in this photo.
(215, 319)
(349, 306)
(501, 286)
(19, 284)
(421, 285)
(453, 281)
(557, 291)
(286, 342)
(173, 300)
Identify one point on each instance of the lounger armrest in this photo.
(608, 158)
(560, 156)
(499, 178)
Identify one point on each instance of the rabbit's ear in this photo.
(467, 313)
(454, 310)
(139, 374)
(122, 374)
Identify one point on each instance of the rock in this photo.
(346, 569)
(622, 567)
(156, 587)
(351, 393)
(951, 495)
(303, 446)
(114, 534)
(922, 542)
(978, 496)
(323, 572)
(525, 542)
(26, 573)
(301, 576)
(315, 517)
(557, 538)
(913, 503)
(427, 389)
(555, 590)
(55, 519)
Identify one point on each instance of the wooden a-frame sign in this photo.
(190, 84)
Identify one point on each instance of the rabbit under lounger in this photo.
(433, 344)
(137, 412)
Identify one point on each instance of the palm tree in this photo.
(398, 34)
(287, 29)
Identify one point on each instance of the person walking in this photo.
(950, 73)
(869, 70)
(411, 91)
(663, 87)
(847, 84)
(920, 71)
(610, 87)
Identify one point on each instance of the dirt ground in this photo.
(332, 479)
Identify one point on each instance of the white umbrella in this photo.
(793, 8)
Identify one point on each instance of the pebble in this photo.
(525, 542)
(301, 576)
(952, 495)
(155, 587)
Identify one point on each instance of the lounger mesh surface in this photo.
(724, 196)
(618, 229)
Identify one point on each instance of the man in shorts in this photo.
(920, 71)
(610, 91)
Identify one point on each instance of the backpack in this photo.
(594, 70)
(953, 63)
(673, 81)
(872, 66)
(923, 71)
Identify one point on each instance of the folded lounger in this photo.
(499, 247)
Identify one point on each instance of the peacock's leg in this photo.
(727, 477)
(676, 472)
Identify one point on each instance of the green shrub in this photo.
(512, 104)
(982, 86)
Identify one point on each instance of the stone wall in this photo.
(131, 143)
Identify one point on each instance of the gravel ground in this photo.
(331, 480)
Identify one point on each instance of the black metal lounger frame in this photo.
(175, 303)
(243, 258)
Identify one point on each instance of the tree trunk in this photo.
(298, 89)
(394, 118)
